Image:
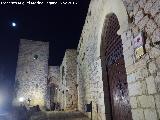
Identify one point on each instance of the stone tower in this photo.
(68, 91)
(32, 72)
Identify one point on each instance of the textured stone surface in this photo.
(146, 101)
(151, 85)
(137, 114)
(73, 115)
(133, 102)
(151, 26)
(152, 67)
(85, 69)
(156, 35)
(157, 19)
(142, 3)
(139, 16)
(138, 71)
(150, 114)
(148, 6)
(135, 89)
(69, 99)
(143, 22)
(32, 71)
(53, 85)
(155, 8)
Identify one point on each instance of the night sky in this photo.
(61, 25)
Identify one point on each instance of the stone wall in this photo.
(32, 72)
(90, 85)
(53, 84)
(143, 74)
(68, 82)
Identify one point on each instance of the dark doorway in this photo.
(114, 73)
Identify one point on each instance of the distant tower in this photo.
(31, 73)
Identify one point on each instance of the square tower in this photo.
(32, 73)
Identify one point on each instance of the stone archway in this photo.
(114, 76)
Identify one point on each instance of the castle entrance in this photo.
(116, 77)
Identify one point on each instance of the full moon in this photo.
(13, 24)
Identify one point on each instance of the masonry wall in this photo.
(32, 72)
(143, 74)
(69, 79)
(53, 84)
(90, 85)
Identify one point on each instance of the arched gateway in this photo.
(114, 73)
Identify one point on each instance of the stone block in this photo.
(133, 102)
(150, 114)
(143, 22)
(158, 62)
(153, 1)
(157, 19)
(157, 101)
(151, 85)
(150, 27)
(128, 53)
(137, 114)
(138, 74)
(152, 67)
(144, 87)
(135, 9)
(146, 101)
(155, 8)
(157, 82)
(139, 16)
(158, 111)
(130, 69)
(147, 46)
(135, 30)
(154, 52)
(126, 44)
(129, 61)
(144, 72)
(148, 6)
(124, 37)
(131, 78)
(156, 35)
(142, 3)
(135, 89)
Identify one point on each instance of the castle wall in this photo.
(53, 84)
(32, 72)
(142, 75)
(69, 80)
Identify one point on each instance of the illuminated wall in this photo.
(32, 72)
(67, 93)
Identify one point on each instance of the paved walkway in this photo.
(74, 115)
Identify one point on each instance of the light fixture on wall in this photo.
(21, 99)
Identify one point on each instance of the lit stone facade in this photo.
(53, 84)
(68, 90)
(32, 72)
(82, 70)
(143, 75)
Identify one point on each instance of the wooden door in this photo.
(115, 68)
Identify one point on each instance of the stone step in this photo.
(74, 115)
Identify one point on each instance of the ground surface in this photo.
(59, 116)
